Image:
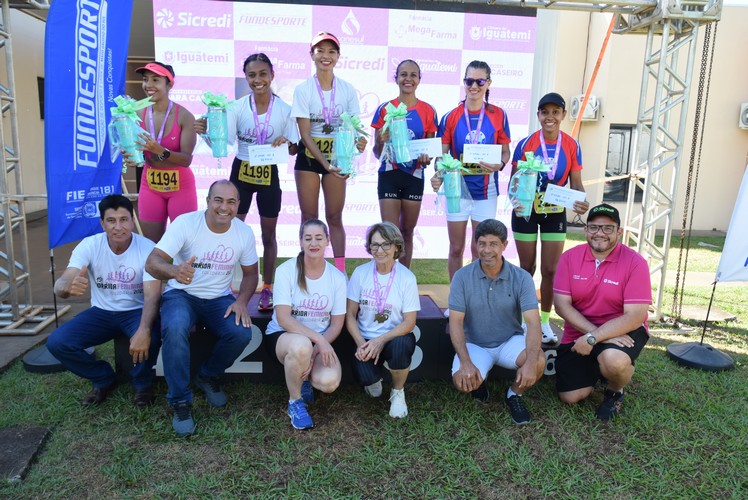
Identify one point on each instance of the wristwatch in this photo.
(502, 166)
(164, 155)
(591, 340)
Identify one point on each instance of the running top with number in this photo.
(242, 124)
(401, 298)
(116, 281)
(421, 121)
(494, 130)
(569, 158)
(306, 104)
(324, 298)
(171, 179)
(216, 253)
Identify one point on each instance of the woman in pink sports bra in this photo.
(167, 187)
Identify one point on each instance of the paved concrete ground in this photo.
(13, 347)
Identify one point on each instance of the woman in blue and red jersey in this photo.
(565, 166)
(400, 185)
(477, 122)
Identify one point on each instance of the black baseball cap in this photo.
(605, 210)
(552, 98)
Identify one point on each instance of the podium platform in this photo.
(431, 361)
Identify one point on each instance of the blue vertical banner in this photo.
(85, 56)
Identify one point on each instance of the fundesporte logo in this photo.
(165, 18)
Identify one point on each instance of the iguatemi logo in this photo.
(220, 255)
(122, 275)
(164, 18)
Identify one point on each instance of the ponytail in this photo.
(300, 275)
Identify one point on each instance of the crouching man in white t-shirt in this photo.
(124, 301)
(204, 246)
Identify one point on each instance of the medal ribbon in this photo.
(163, 124)
(381, 301)
(262, 133)
(554, 164)
(474, 138)
(326, 112)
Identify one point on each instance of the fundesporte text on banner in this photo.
(86, 43)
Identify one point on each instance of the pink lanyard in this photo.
(474, 137)
(163, 124)
(262, 133)
(326, 112)
(381, 301)
(552, 173)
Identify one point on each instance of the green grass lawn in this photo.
(682, 435)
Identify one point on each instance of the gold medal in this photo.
(381, 317)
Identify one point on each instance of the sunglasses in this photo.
(470, 81)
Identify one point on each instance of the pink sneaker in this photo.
(266, 300)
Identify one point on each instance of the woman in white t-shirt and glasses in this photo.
(381, 315)
(318, 103)
(308, 316)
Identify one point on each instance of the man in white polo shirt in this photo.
(204, 245)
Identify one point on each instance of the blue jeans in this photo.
(180, 311)
(95, 326)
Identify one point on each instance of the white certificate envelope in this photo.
(561, 196)
(266, 154)
(431, 146)
(474, 153)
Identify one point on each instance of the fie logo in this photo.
(164, 18)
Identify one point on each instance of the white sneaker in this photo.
(374, 390)
(548, 336)
(398, 408)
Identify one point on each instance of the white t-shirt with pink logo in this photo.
(216, 253)
(325, 297)
(116, 281)
(241, 122)
(401, 298)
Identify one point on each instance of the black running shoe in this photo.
(481, 393)
(611, 405)
(517, 410)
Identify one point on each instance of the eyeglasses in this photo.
(470, 81)
(374, 247)
(606, 228)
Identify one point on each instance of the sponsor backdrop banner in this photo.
(85, 57)
(207, 42)
(733, 264)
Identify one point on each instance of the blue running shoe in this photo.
(307, 392)
(182, 421)
(211, 386)
(300, 418)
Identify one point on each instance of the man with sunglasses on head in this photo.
(602, 291)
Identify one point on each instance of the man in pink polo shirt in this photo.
(602, 290)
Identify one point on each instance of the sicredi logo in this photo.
(165, 19)
(350, 25)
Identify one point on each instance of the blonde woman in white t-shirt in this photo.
(381, 315)
(308, 315)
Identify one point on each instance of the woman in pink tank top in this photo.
(167, 187)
